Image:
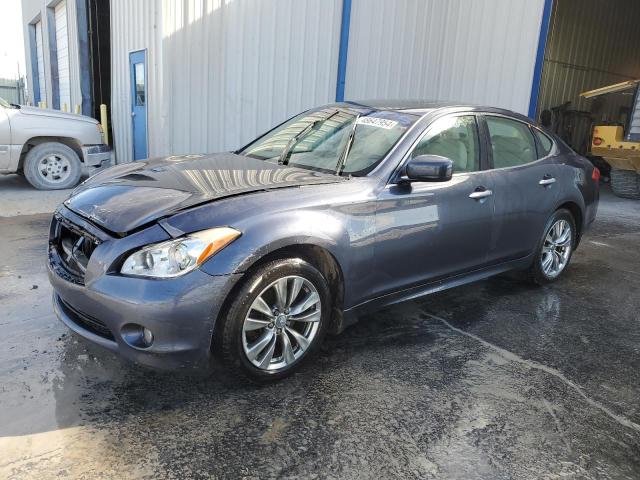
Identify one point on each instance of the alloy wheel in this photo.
(556, 248)
(281, 323)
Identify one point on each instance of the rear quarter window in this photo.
(543, 143)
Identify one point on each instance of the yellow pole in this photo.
(44, 104)
(39, 104)
(64, 107)
(104, 122)
(77, 109)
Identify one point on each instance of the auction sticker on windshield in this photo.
(377, 122)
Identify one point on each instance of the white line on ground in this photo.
(507, 355)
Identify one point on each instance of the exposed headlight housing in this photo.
(177, 257)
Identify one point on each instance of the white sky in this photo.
(11, 39)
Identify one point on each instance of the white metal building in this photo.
(53, 62)
(209, 75)
(219, 72)
(67, 52)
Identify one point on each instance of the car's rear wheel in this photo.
(52, 166)
(554, 249)
(276, 321)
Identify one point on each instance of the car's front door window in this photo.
(455, 138)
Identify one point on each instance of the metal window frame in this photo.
(53, 50)
(33, 50)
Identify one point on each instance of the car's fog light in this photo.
(147, 336)
(136, 335)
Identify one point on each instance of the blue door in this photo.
(138, 67)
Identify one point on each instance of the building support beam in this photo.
(542, 44)
(344, 50)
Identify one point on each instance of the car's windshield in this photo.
(316, 140)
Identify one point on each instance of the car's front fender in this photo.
(347, 237)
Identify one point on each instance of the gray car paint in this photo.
(392, 242)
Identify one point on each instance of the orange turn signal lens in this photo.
(216, 239)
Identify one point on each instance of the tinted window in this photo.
(511, 142)
(316, 140)
(543, 142)
(455, 138)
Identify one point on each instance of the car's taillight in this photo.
(595, 175)
(597, 141)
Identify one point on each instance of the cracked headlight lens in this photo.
(177, 257)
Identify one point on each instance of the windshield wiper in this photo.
(284, 156)
(345, 153)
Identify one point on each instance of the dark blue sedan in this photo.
(252, 257)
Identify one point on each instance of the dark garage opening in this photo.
(590, 44)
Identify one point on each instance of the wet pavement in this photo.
(496, 379)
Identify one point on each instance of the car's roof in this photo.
(423, 107)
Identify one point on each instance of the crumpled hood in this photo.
(128, 196)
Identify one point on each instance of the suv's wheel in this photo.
(52, 166)
(555, 248)
(276, 321)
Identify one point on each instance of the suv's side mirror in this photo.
(429, 168)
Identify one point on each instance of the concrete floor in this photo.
(497, 379)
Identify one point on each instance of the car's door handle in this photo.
(547, 181)
(480, 194)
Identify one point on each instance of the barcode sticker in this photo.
(377, 122)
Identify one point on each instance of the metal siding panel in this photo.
(583, 54)
(136, 26)
(62, 54)
(75, 93)
(463, 50)
(222, 72)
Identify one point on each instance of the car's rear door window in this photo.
(455, 138)
(512, 142)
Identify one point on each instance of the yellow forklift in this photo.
(620, 146)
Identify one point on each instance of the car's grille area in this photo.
(70, 249)
(87, 322)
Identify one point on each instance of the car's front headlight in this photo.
(177, 257)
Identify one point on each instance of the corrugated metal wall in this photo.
(474, 51)
(137, 26)
(222, 72)
(591, 44)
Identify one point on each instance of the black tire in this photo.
(228, 336)
(536, 273)
(625, 183)
(66, 171)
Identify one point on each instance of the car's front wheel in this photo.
(555, 248)
(276, 321)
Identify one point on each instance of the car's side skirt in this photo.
(433, 287)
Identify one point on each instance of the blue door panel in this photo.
(138, 76)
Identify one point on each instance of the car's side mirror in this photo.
(428, 168)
